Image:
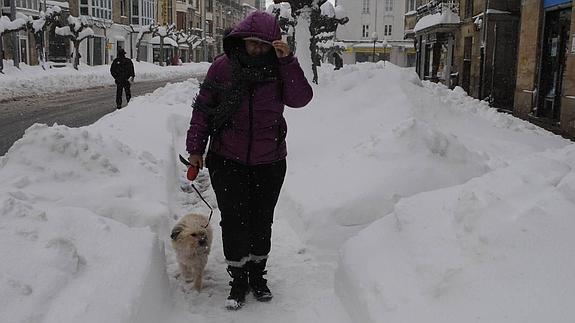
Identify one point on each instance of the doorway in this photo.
(24, 50)
(553, 60)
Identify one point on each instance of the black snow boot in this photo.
(258, 283)
(239, 289)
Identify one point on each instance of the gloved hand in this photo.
(197, 161)
(131, 79)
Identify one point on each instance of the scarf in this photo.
(246, 72)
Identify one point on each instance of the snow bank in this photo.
(34, 81)
(496, 249)
(63, 259)
(81, 211)
(447, 201)
(387, 136)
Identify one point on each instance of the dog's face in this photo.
(195, 237)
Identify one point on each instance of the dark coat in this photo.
(122, 69)
(257, 130)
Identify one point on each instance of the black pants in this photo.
(123, 85)
(247, 196)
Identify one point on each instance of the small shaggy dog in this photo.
(192, 241)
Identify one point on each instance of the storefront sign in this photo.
(552, 3)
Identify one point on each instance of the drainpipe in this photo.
(485, 44)
(493, 62)
(15, 36)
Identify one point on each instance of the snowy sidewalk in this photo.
(403, 201)
(34, 81)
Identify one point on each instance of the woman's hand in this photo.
(282, 48)
(197, 161)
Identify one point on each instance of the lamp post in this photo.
(385, 47)
(374, 38)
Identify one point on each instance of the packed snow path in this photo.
(403, 202)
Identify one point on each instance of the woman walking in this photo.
(240, 111)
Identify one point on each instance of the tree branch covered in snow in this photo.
(322, 19)
(164, 32)
(77, 30)
(144, 30)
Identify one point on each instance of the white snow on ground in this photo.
(404, 202)
(34, 81)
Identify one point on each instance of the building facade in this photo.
(470, 43)
(375, 32)
(25, 40)
(545, 87)
(116, 24)
(436, 33)
(486, 50)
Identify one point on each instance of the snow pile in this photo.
(496, 249)
(34, 81)
(442, 209)
(444, 17)
(80, 214)
(64, 259)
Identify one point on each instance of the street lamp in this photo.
(374, 38)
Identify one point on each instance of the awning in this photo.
(167, 41)
(118, 38)
(184, 46)
(553, 3)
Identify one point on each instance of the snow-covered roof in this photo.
(445, 17)
(58, 3)
(495, 11)
(167, 41)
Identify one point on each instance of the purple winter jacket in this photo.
(257, 130)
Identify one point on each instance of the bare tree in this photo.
(286, 20)
(164, 32)
(131, 31)
(77, 30)
(39, 26)
(148, 29)
(319, 24)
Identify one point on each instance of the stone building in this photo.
(486, 50)
(470, 43)
(25, 39)
(436, 33)
(545, 89)
(375, 32)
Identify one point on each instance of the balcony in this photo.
(437, 6)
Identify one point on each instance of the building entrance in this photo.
(553, 59)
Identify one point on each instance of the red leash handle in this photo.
(192, 170)
(191, 175)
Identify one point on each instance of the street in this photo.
(73, 109)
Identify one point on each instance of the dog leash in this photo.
(189, 165)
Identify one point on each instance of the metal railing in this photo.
(437, 6)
